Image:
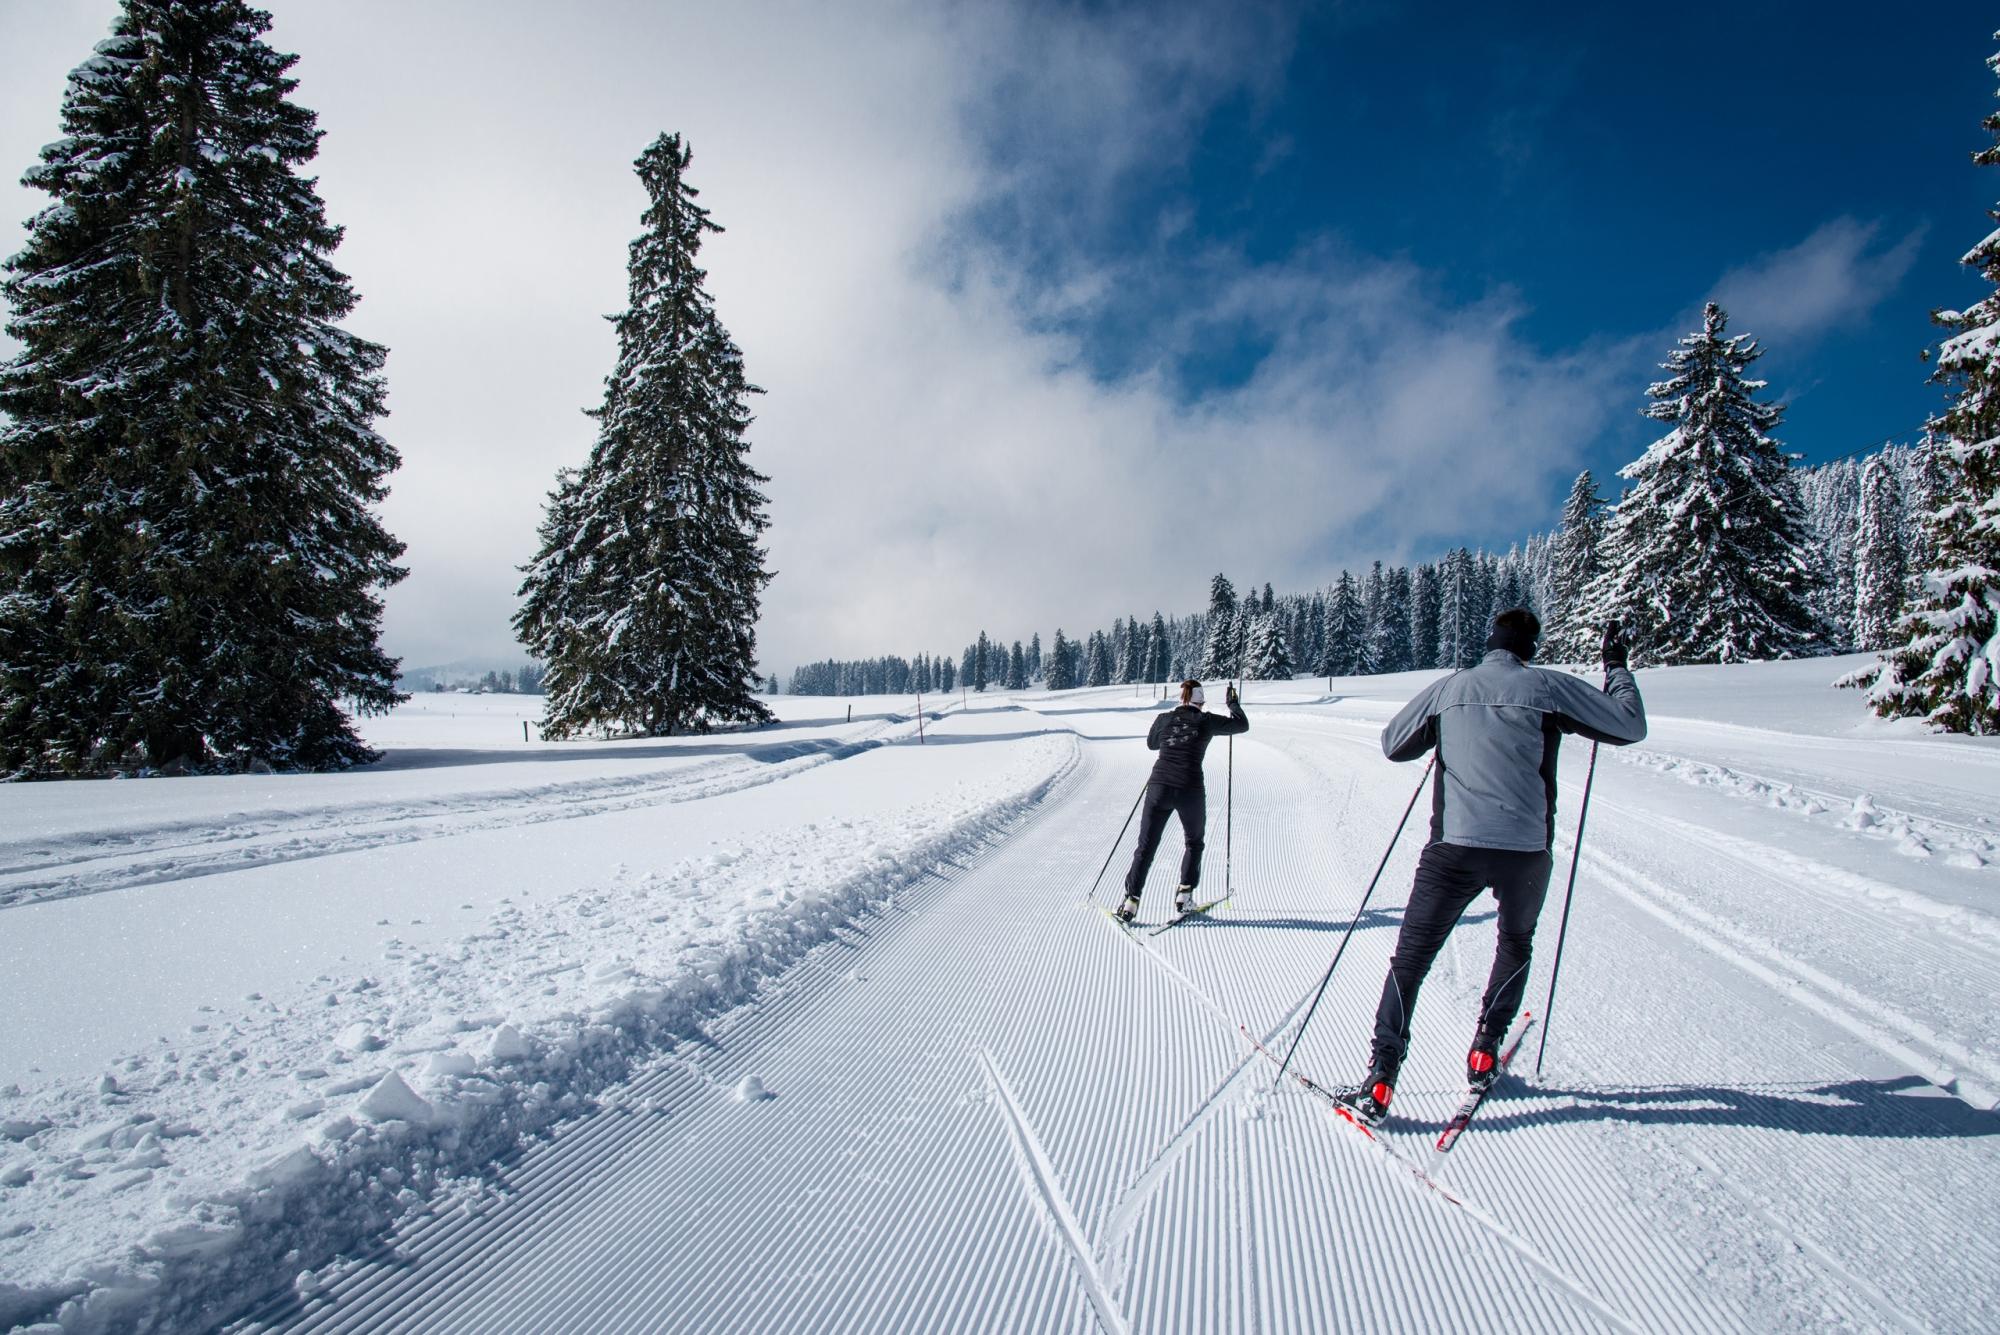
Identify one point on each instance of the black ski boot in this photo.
(1368, 1102)
(1127, 910)
(1482, 1063)
(1183, 898)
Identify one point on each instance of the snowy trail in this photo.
(993, 1111)
(36, 868)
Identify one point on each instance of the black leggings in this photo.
(1191, 805)
(1449, 877)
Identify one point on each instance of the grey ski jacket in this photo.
(1496, 728)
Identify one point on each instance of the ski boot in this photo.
(1127, 909)
(1368, 1102)
(1183, 898)
(1482, 1063)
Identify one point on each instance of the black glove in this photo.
(1229, 696)
(1615, 652)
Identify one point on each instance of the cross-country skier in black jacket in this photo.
(1181, 736)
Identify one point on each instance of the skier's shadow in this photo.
(1370, 919)
(1870, 1109)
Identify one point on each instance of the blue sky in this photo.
(1601, 170)
(1062, 308)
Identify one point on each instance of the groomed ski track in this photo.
(993, 1111)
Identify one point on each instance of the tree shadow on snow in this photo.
(1891, 1109)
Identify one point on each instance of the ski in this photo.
(1455, 1128)
(1197, 911)
(1130, 929)
(1368, 1133)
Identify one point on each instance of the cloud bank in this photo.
(922, 204)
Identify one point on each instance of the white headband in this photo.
(1197, 698)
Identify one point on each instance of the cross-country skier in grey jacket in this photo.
(1181, 736)
(1496, 728)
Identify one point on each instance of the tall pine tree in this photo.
(1462, 606)
(1573, 565)
(1224, 649)
(1346, 631)
(1706, 558)
(1947, 670)
(1878, 557)
(1392, 631)
(643, 596)
(189, 563)
(1424, 597)
(1269, 657)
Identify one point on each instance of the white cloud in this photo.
(941, 461)
(1835, 277)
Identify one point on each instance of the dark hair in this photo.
(1188, 688)
(1516, 631)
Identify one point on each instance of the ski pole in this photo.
(1563, 929)
(1229, 817)
(1326, 978)
(1115, 842)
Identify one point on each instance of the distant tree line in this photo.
(524, 680)
(1719, 551)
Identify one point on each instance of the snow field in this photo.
(524, 971)
(999, 1113)
(963, 1100)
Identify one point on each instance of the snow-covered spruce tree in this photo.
(1374, 607)
(1707, 558)
(1056, 674)
(189, 565)
(1878, 557)
(1573, 565)
(1346, 629)
(1831, 494)
(1270, 656)
(1098, 660)
(1392, 631)
(1160, 663)
(1947, 670)
(1424, 595)
(1224, 650)
(643, 596)
(1017, 668)
(1034, 656)
(1461, 637)
(1925, 482)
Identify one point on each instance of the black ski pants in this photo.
(1162, 800)
(1450, 877)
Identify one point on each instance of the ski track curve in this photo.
(991, 1112)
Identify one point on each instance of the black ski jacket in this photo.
(1181, 736)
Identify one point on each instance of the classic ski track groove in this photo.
(1506, 1236)
(1908, 1042)
(671, 1209)
(152, 856)
(558, 1172)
